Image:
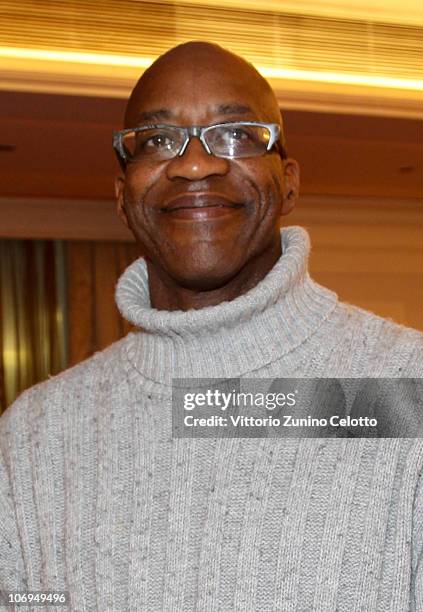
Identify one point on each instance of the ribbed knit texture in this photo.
(98, 499)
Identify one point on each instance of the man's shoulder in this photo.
(378, 326)
(75, 385)
(383, 339)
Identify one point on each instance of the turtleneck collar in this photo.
(233, 338)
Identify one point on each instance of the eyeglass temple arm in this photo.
(118, 149)
(279, 142)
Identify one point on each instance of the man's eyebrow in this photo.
(153, 115)
(163, 114)
(234, 109)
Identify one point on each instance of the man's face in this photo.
(200, 219)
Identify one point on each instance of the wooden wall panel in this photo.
(93, 270)
(81, 301)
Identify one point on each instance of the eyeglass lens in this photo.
(229, 140)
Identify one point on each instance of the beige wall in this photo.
(370, 252)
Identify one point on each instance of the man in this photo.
(99, 499)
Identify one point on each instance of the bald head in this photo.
(187, 68)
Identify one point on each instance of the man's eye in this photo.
(150, 142)
(237, 134)
(159, 141)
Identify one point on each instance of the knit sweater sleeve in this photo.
(417, 551)
(11, 563)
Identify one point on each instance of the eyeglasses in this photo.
(156, 143)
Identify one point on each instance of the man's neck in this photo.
(166, 294)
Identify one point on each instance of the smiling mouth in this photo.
(199, 202)
(200, 207)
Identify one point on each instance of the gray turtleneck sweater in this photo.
(98, 499)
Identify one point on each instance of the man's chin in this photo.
(198, 278)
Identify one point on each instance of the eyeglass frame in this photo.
(197, 131)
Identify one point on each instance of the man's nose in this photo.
(195, 163)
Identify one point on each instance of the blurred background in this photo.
(349, 78)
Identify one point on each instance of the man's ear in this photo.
(120, 200)
(291, 187)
